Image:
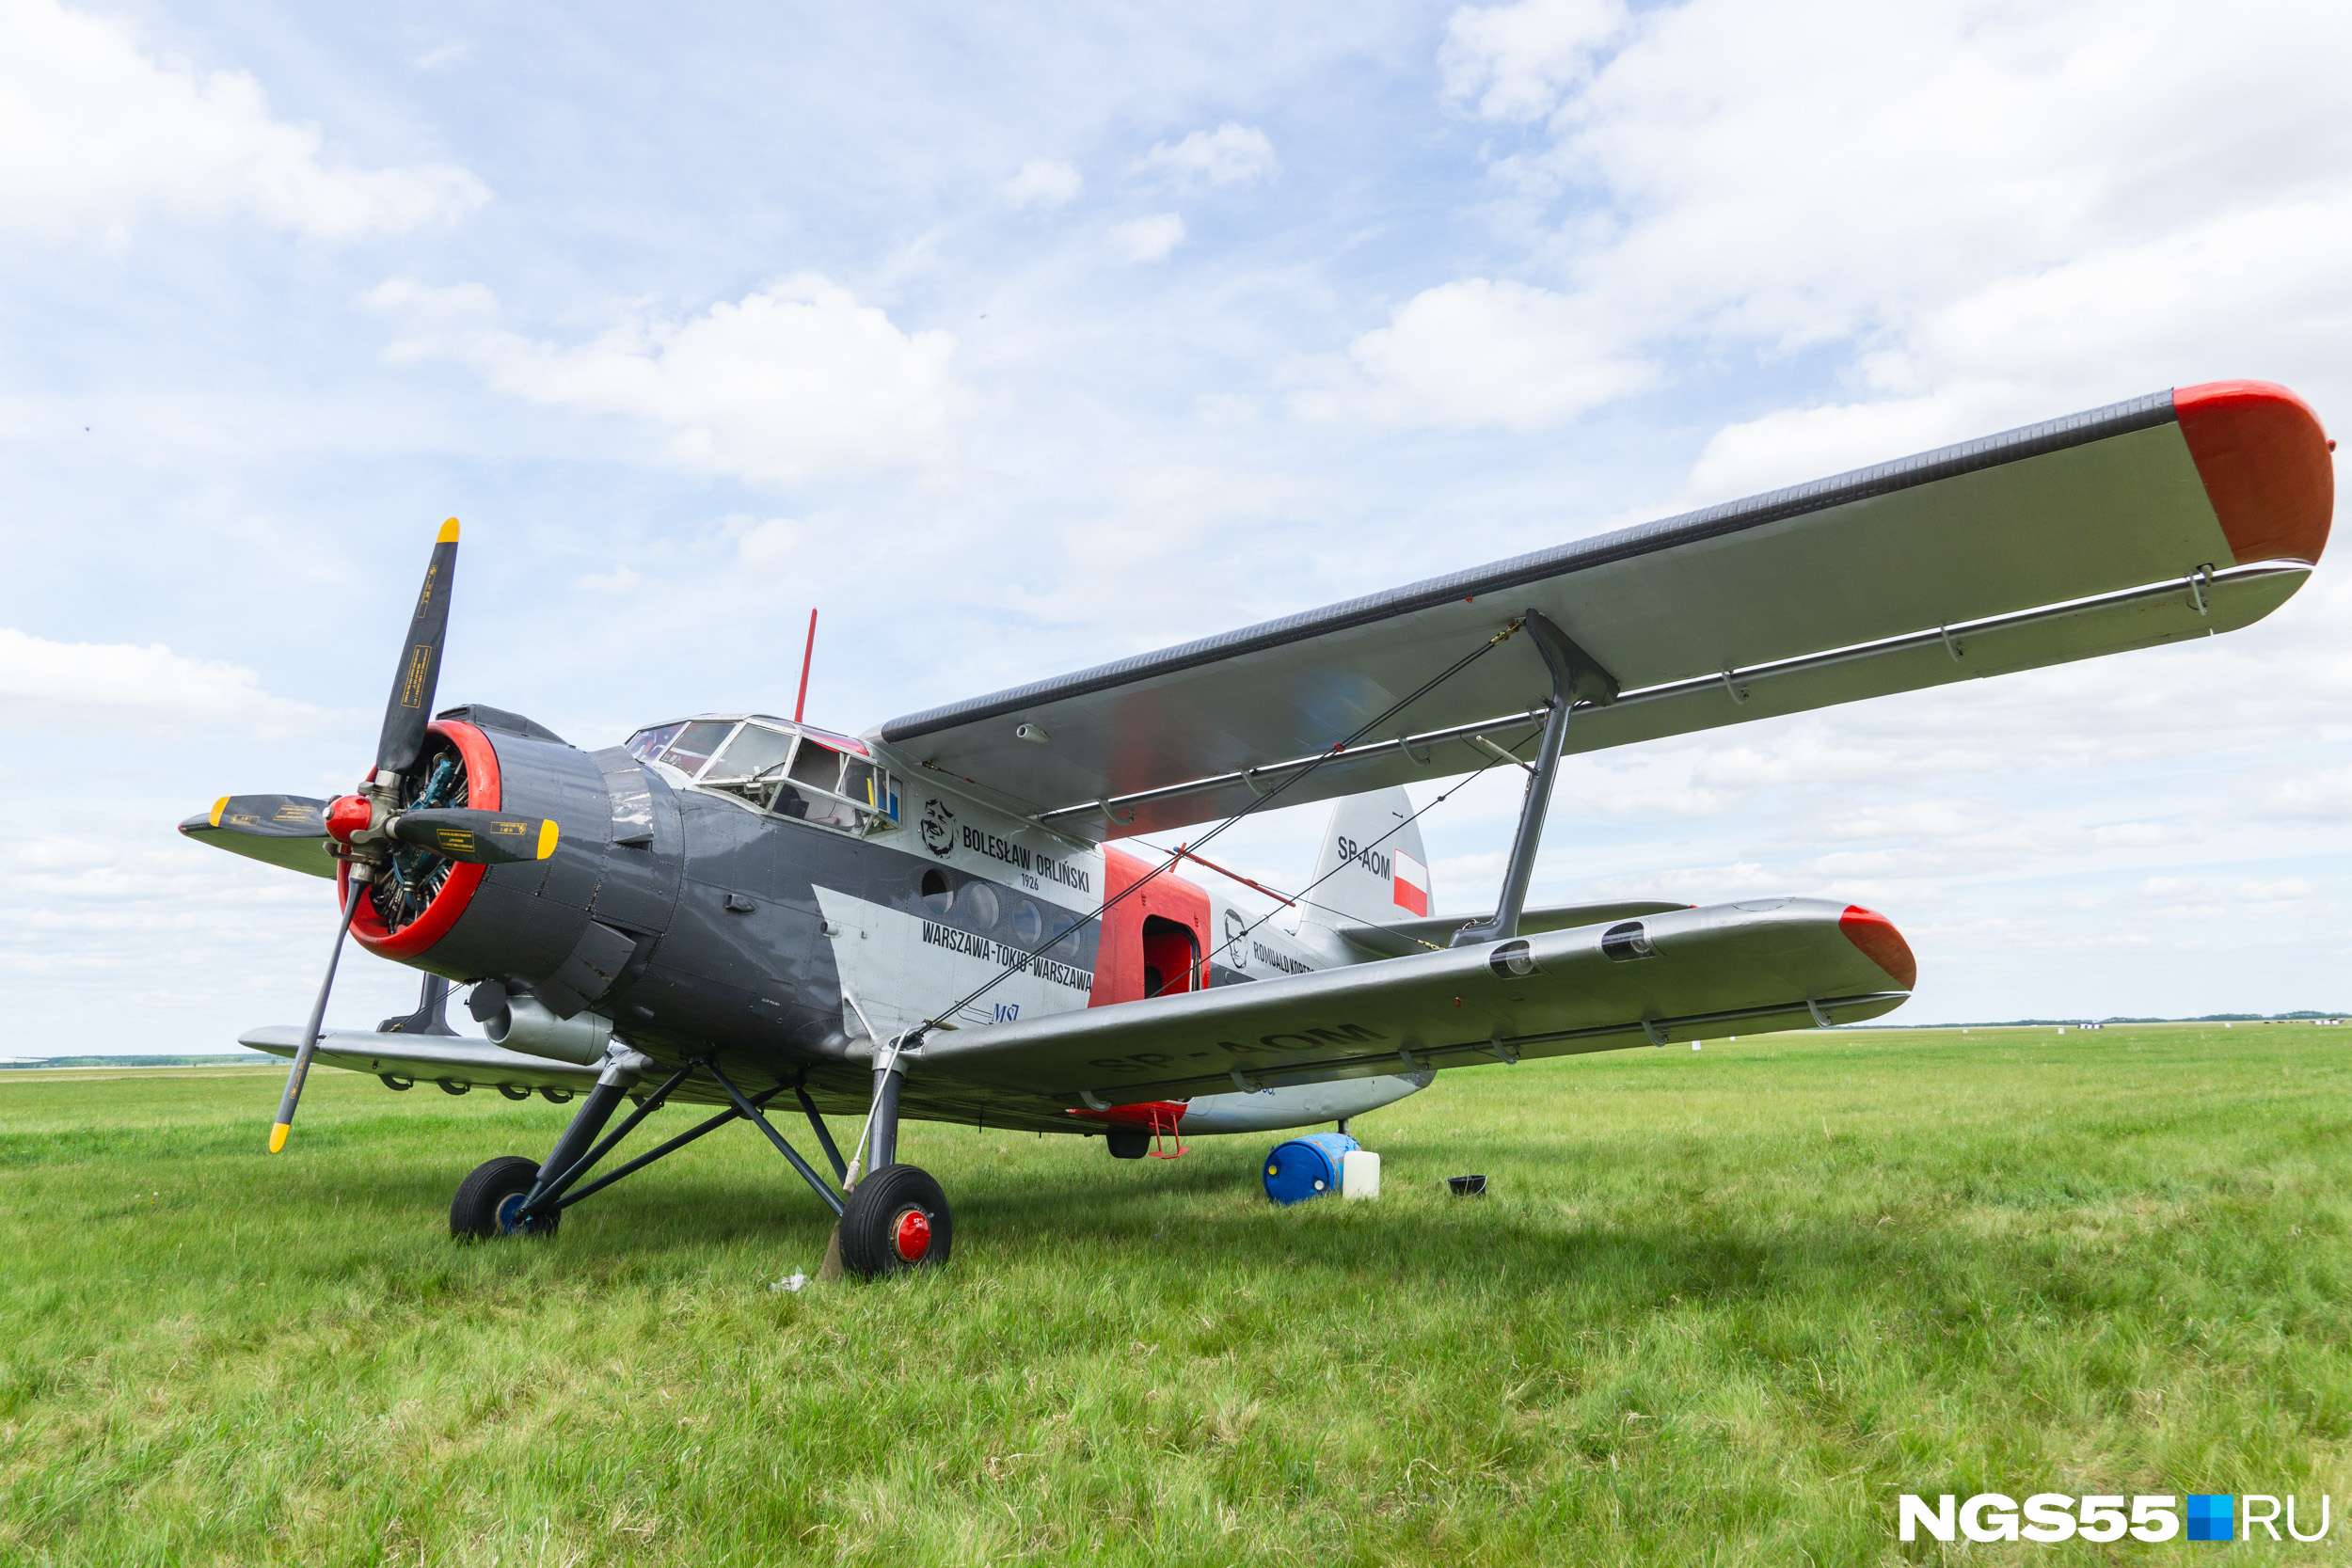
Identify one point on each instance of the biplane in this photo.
(934, 919)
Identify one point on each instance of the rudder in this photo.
(1378, 873)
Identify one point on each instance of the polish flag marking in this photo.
(1411, 885)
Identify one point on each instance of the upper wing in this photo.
(2169, 517)
(1778, 964)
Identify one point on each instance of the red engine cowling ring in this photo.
(418, 936)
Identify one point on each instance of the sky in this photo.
(1018, 339)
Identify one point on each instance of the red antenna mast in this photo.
(807, 655)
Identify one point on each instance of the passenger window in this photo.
(938, 894)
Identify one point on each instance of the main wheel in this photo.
(897, 1219)
(487, 1199)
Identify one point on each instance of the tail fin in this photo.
(1378, 872)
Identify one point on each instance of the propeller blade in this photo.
(288, 831)
(482, 837)
(293, 1095)
(411, 706)
(270, 816)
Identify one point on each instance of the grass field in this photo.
(1720, 1308)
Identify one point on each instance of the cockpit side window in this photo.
(818, 766)
(817, 763)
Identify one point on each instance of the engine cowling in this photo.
(566, 929)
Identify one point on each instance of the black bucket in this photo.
(1467, 1186)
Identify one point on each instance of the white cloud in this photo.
(1230, 154)
(1990, 213)
(1479, 352)
(1518, 59)
(798, 380)
(1148, 239)
(103, 685)
(96, 135)
(1043, 183)
(2325, 796)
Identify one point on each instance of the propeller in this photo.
(410, 708)
(363, 829)
(482, 837)
(288, 831)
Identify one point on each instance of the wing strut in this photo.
(1575, 674)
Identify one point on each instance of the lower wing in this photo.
(437, 1057)
(1782, 964)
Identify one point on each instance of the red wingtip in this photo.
(2264, 458)
(1881, 943)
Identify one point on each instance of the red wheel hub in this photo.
(910, 1235)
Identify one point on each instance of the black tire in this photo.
(490, 1193)
(1128, 1143)
(876, 1222)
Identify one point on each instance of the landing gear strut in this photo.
(515, 1196)
(897, 1217)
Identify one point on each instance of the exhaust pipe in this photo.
(520, 1024)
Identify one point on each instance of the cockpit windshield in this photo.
(695, 745)
(756, 750)
(645, 745)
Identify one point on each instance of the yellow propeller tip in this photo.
(277, 1137)
(448, 533)
(219, 806)
(547, 838)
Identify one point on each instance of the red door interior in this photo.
(1171, 955)
(1154, 943)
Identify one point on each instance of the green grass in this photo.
(1720, 1308)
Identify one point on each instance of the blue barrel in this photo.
(1305, 1167)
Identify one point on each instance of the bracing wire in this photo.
(1384, 838)
(913, 1037)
